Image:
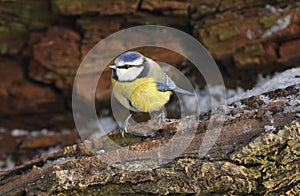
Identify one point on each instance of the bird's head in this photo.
(128, 66)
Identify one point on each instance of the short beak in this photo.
(112, 66)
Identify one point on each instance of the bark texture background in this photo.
(247, 158)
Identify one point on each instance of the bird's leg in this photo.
(125, 124)
(162, 116)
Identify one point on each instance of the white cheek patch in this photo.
(129, 74)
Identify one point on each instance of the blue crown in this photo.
(129, 56)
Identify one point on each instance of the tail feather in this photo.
(182, 91)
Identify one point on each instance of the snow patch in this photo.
(278, 81)
(59, 161)
(275, 10)
(203, 99)
(43, 132)
(264, 98)
(51, 150)
(280, 24)
(231, 117)
(19, 132)
(234, 92)
(269, 128)
(100, 151)
(107, 123)
(6, 165)
(294, 103)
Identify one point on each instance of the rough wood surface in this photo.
(257, 152)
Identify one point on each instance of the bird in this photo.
(140, 85)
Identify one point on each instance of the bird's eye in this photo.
(126, 66)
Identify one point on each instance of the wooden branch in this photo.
(257, 152)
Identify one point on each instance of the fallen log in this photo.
(257, 152)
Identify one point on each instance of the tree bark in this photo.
(257, 152)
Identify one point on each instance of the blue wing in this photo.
(170, 85)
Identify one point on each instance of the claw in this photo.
(123, 131)
(124, 126)
(161, 116)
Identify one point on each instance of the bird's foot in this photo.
(123, 128)
(161, 117)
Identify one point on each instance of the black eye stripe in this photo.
(126, 66)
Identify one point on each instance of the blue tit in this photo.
(139, 83)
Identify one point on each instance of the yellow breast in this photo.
(140, 95)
